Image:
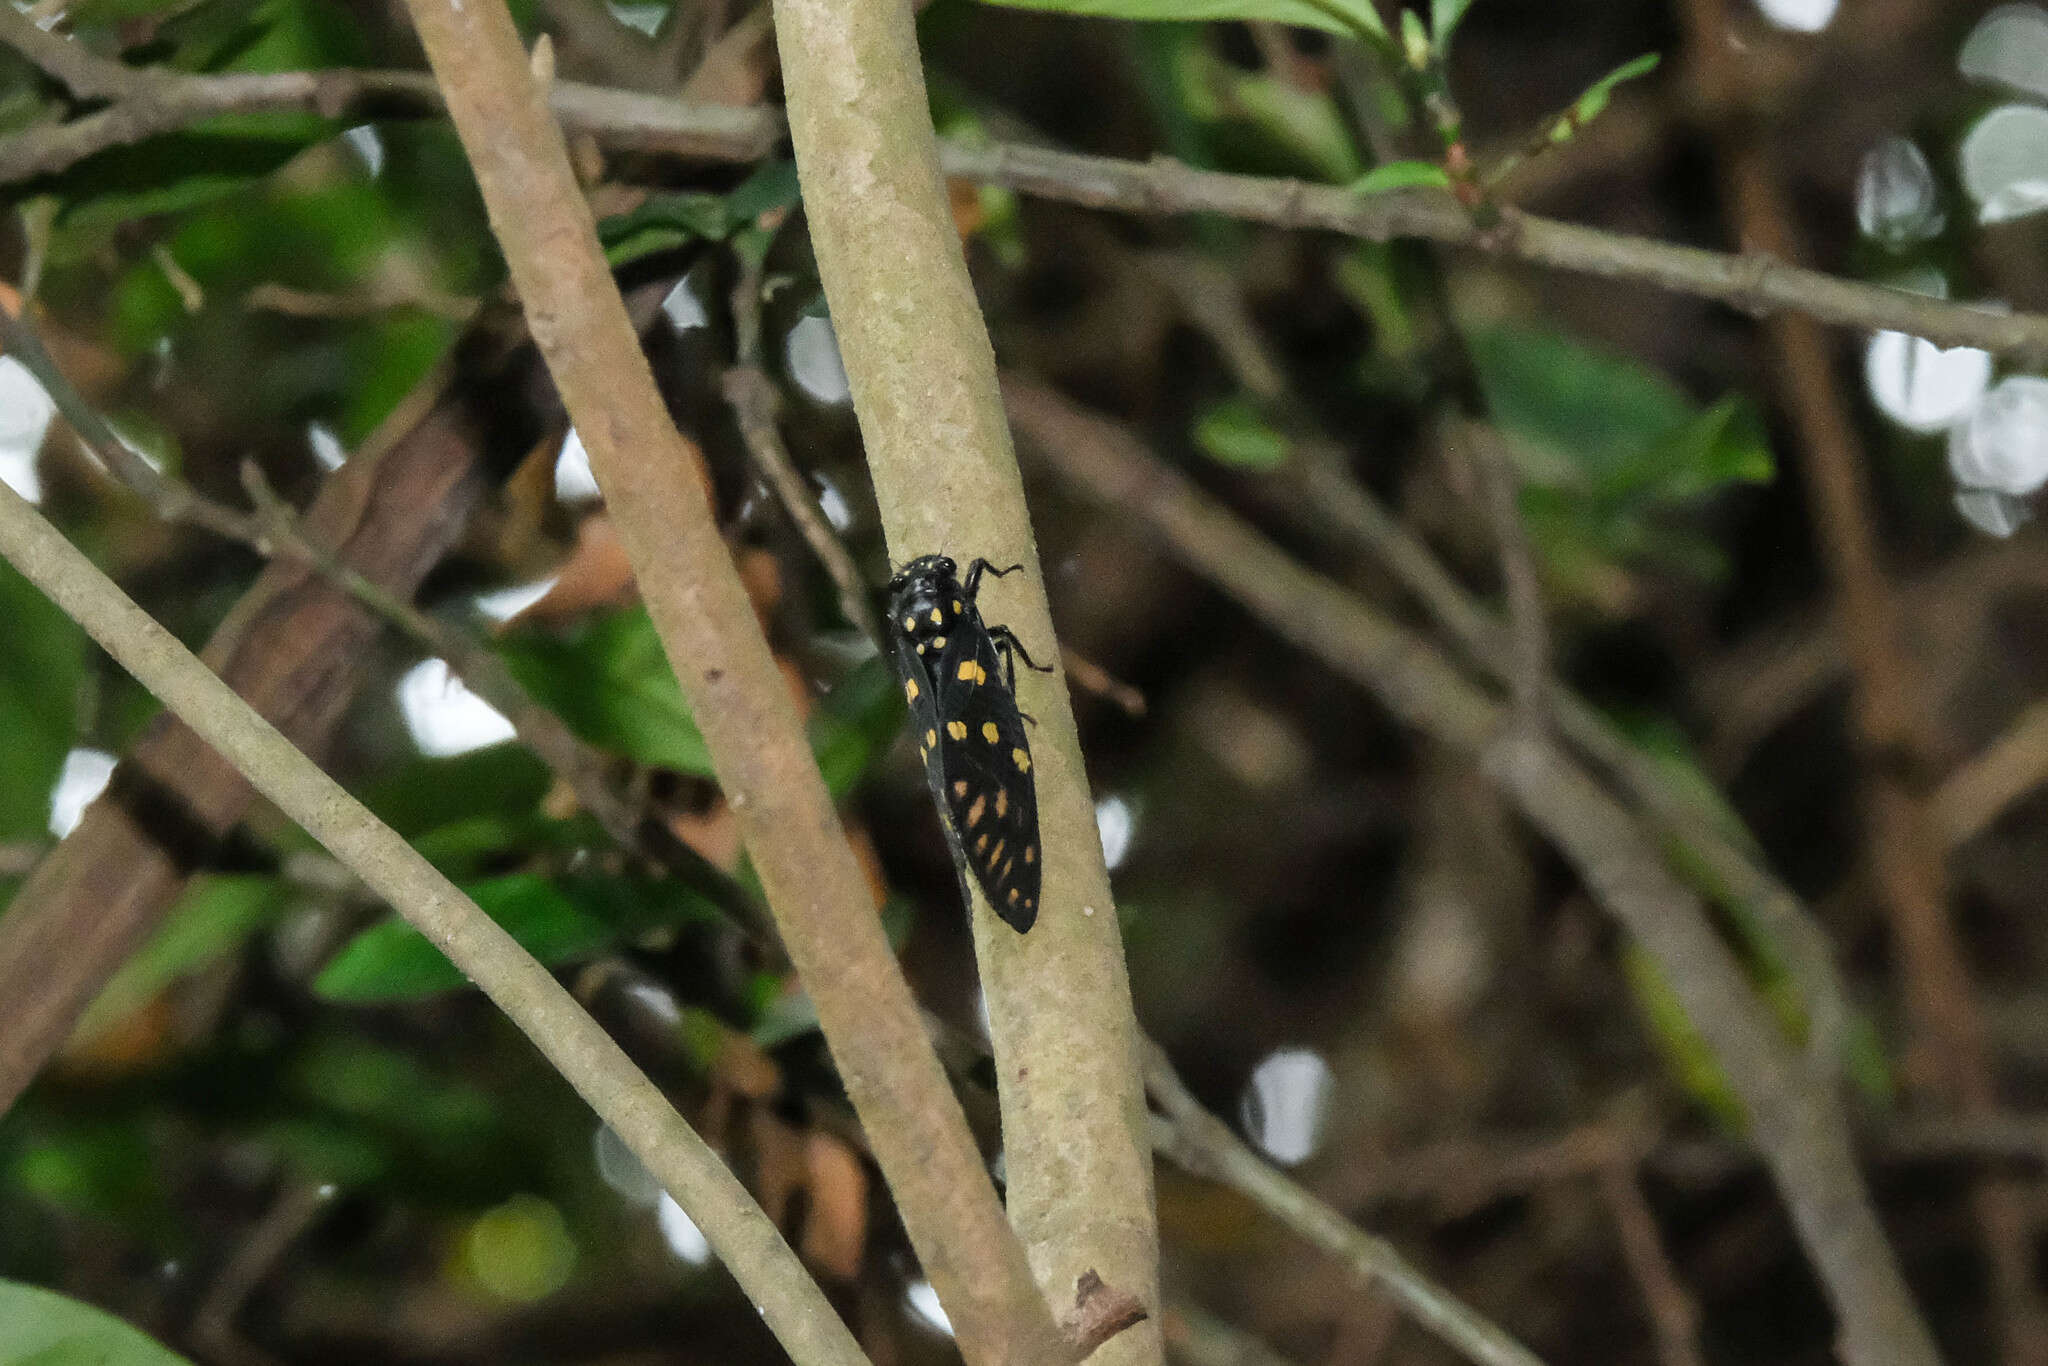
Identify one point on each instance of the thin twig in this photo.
(747, 1242)
(736, 692)
(1674, 1316)
(2007, 769)
(290, 1214)
(1798, 1125)
(1204, 1145)
(1500, 488)
(756, 405)
(148, 103)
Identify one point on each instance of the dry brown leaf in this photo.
(779, 1162)
(713, 833)
(596, 574)
(835, 1232)
(761, 574)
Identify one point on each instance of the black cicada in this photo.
(960, 677)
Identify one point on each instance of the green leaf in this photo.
(669, 221)
(1235, 432)
(858, 720)
(1725, 444)
(41, 671)
(1598, 415)
(212, 918)
(428, 793)
(1402, 175)
(394, 962)
(1348, 18)
(1609, 450)
(1590, 104)
(1444, 18)
(47, 1329)
(772, 186)
(610, 683)
(662, 224)
(1415, 45)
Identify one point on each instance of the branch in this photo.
(917, 353)
(630, 121)
(737, 695)
(1798, 1126)
(1751, 282)
(149, 102)
(1204, 1145)
(746, 1240)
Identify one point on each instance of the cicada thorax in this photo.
(969, 731)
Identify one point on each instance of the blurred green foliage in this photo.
(41, 672)
(1611, 452)
(43, 1328)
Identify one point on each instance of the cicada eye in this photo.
(947, 567)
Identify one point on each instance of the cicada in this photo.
(960, 678)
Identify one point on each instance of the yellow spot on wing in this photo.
(938, 643)
(910, 690)
(1023, 760)
(1002, 801)
(997, 852)
(938, 617)
(972, 672)
(1013, 896)
(974, 811)
(931, 737)
(981, 845)
(989, 731)
(956, 604)
(957, 729)
(910, 624)
(1031, 853)
(960, 787)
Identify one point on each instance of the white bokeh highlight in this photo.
(1994, 514)
(1799, 16)
(1115, 822)
(2004, 163)
(25, 413)
(368, 145)
(2002, 446)
(81, 780)
(1897, 201)
(443, 716)
(2009, 47)
(683, 309)
(924, 1304)
(1285, 1102)
(574, 481)
(619, 1168)
(1921, 386)
(503, 604)
(681, 1233)
(326, 446)
(811, 351)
